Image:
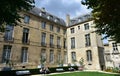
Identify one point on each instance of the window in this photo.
(65, 57)
(114, 46)
(51, 27)
(24, 55)
(73, 55)
(26, 19)
(58, 29)
(64, 45)
(58, 42)
(89, 55)
(64, 32)
(51, 40)
(86, 26)
(25, 35)
(108, 58)
(72, 30)
(59, 56)
(51, 56)
(9, 32)
(78, 27)
(43, 26)
(6, 53)
(43, 55)
(43, 39)
(87, 39)
(72, 42)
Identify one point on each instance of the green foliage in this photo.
(107, 17)
(9, 11)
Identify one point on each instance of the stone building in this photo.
(84, 43)
(42, 38)
(112, 54)
(39, 38)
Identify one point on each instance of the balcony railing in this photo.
(7, 39)
(58, 46)
(43, 44)
(26, 42)
(51, 45)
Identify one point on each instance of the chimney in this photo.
(67, 19)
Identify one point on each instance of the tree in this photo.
(9, 11)
(106, 14)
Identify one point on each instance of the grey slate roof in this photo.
(38, 12)
(80, 19)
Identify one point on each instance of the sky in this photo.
(61, 8)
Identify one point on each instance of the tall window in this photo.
(86, 26)
(59, 56)
(26, 19)
(64, 31)
(24, 55)
(64, 45)
(73, 55)
(65, 57)
(89, 55)
(43, 39)
(43, 55)
(108, 58)
(114, 46)
(72, 30)
(51, 56)
(43, 25)
(73, 42)
(58, 29)
(58, 42)
(78, 27)
(51, 27)
(51, 40)
(25, 35)
(6, 53)
(87, 39)
(9, 32)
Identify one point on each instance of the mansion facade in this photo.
(44, 38)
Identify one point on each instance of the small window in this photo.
(72, 30)
(58, 29)
(26, 19)
(43, 25)
(86, 26)
(51, 27)
(78, 27)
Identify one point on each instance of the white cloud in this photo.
(62, 7)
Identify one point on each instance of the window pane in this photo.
(86, 26)
(43, 25)
(9, 32)
(6, 53)
(25, 35)
(26, 19)
(73, 42)
(24, 55)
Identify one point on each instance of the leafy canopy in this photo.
(106, 14)
(9, 11)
